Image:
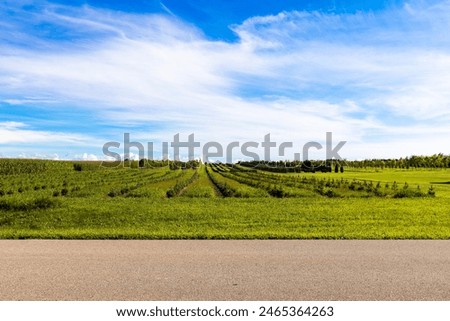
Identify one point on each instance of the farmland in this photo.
(82, 200)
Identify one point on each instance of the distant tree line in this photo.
(433, 161)
(283, 166)
(147, 163)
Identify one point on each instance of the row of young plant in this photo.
(72, 182)
(222, 185)
(229, 187)
(34, 187)
(181, 184)
(277, 185)
(280, 185)
(203, 187)
(136, 187)
(88, 183)
(273, 189)
(31, 166)
(230, 180)
(57, 182)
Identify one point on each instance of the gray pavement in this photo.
(224, 270)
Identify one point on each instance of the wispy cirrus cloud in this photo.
(374, 79)
(19, 133)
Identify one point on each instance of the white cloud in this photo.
(295, 75)
(90, 157)
(18, 133)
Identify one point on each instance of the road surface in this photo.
(224, 270)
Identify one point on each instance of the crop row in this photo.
(202, 187)
(181, 184)
(45, 178)
(281, 185)
(230, 187)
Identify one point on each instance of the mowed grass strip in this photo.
(202, 187)
(233, 218)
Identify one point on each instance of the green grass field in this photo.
(43, 199)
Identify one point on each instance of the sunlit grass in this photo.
(56, 201)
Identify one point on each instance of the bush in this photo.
(405, 192)
(170, 193)
(112, 193)
(277, 191)
(329, 193)
(379, 193)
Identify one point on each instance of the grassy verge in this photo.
(222, 218)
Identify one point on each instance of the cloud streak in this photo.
(20, 133)
(371, 78)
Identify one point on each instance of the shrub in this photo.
(112, 193)
(394, 186)
(379, 193)
(277, 191)
(329, 193)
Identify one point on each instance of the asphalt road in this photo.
(224, 270)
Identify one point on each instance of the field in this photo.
(55, 199)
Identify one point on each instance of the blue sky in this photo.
(77, 74)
